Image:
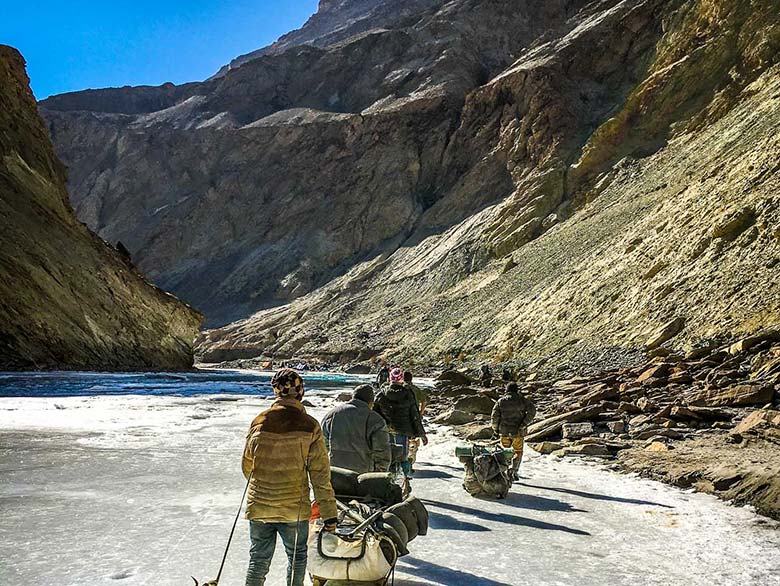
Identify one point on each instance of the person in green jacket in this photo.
(512, 414)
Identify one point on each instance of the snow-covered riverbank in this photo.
(141, 490)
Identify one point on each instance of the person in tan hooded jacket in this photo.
(285, 452)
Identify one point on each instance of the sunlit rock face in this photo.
(67, 299)
(476, 179)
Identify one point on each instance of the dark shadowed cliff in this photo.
(475, 178)
(67, 300)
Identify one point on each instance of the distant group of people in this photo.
(378, 430)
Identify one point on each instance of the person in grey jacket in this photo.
(357, 437)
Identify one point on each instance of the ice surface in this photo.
(141, 490)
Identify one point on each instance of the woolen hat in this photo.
(396, 375)
(288, 383)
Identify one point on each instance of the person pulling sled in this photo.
(512, 414)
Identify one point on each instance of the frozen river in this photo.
(117, 486)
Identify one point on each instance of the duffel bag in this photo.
(394, 522)
(332, 557)
(421, 513)
(405, 512)
(343, 481)
(380, 486)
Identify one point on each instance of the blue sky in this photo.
(89, 44)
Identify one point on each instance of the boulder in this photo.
(577, 430)
(749, 342)
(454, 417)
(658, 371)
(655, 431)
(616, 426)
(680, 378)
(734, 396)
(545, 447)
(639, 420)
(552, 425)
(597, 394)
(453, 378)
(665, 333)
(475, 404)
(712, 413)
(764, 423)
(583, 450)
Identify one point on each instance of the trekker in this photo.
(357, 437)
(284, 452)
(383, 375)
(485, 376)
(398, 406)
(512, 414)
(421, 396)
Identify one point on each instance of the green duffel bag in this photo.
(421, 513)
(405, 512)
(344, 482)
(380, 486)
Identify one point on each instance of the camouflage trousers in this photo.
(516, 443)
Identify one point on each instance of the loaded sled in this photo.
(487, 469)
(375, 527)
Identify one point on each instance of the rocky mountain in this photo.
(478, 179)
(67, 300)
(337, 21)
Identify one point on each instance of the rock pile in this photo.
(731, 387)
(715, 395)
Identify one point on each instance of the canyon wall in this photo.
(67, 299)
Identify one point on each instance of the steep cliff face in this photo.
(67, 300)
(258, 187)
(482, 178)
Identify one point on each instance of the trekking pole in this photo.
(230, 538)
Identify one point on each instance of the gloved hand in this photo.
(329, 525)
(424, 440)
